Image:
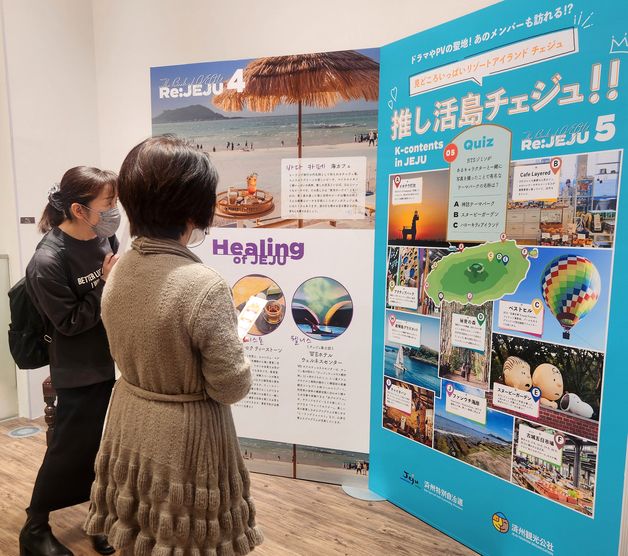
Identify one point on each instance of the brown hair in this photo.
(81, 184)
(166, 183)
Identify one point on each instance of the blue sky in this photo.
(590, 332)
(226, 70)
(430, 327)
(497, 423)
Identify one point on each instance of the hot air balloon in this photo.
(570, 285)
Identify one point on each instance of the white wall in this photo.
(9, 242)
(51, 85)
(8, 217)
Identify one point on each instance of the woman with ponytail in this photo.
(65, 280)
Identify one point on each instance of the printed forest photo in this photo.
(465, 341)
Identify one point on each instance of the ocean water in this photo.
(306, 455)
(329, 128)
(264, 449)
(417, 372)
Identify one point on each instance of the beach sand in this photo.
(234, 166)
(316, 473)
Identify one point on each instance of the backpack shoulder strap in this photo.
(45, 242)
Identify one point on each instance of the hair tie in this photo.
(54, 198)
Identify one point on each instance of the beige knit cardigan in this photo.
(170, 478)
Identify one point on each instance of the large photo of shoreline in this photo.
(485, 446)
(312, 463)
(250, 136)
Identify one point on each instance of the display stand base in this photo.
(362, 493)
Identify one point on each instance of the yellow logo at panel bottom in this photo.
(500, 522)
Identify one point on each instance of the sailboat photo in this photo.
(400, 367)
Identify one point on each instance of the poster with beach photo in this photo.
(294, 140)
(312, 463)
(293, 137)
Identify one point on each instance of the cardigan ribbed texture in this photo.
(170, 478)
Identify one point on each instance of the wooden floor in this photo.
(299, 518)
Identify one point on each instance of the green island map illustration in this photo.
(479, 274)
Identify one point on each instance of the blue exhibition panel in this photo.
(498, 409)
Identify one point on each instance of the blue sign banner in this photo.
(498, 388)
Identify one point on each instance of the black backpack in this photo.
(29, 330)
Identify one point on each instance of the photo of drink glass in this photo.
(273, 312)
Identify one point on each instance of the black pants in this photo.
(67, 472)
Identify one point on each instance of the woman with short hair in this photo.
(170, 478)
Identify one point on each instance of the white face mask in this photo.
(197, 237)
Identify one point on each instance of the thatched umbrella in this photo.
(319, 80)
